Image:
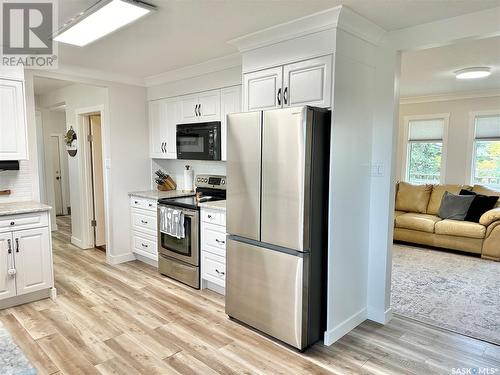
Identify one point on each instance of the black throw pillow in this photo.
(479, 206)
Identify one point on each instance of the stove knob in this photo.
(206, 180)
(223, 182)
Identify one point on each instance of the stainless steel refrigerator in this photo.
(277, 200)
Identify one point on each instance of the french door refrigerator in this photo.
(277, 199)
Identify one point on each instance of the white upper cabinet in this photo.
(202, 107)
(230, 99)
(13, 134)
(307, 82)
(163, 119)
(263, 89)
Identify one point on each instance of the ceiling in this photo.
(188, 32)
(45, 85)
(431, 71)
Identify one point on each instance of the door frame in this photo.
(81, 116)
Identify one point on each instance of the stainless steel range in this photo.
(179, 255)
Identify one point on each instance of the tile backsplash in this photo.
(19, 182)
(175, 168)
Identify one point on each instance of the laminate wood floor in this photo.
(128, 319)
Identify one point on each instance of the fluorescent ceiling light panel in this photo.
(472, 73)
(102, 19)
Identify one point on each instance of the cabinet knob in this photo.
(12, 223)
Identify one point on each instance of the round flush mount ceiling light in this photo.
(472, 73)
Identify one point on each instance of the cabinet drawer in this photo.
(144, 222)
(213, 268)
(24, 221)
(143, 203)
(213, 239)
(213, 216)
(143, 243)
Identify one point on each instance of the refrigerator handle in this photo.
(279, 96)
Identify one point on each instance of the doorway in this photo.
(56, 165)
(96, 179)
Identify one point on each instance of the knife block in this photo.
(167, 185)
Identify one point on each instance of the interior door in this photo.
(283, 169)
(308, 82)
(264, 290)
(244, 174)
(7, 282)
(13, 141)
(55, 160)
(33, 260)
(263, 89)
(98, 180)
(209, 105)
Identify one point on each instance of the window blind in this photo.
(488, 127)
(426, 130)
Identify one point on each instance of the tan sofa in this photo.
(416, 221)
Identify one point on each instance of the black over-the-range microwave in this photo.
(199, 141)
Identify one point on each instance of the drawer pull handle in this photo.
(144, 245)
(12, 223)
(151, 205)
(209, 216)
(136, 202)
(220, 272)
(144, 221)
(219, 241)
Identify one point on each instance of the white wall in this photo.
(458, 144)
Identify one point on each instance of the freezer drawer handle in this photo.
(220, 272)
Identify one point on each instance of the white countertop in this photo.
(217, 205)
(156, 194)
(15, 208)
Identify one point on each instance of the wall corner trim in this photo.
(345, 327)
(122, 258)
(379, 316)
(77, 242)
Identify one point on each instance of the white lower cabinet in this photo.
(143, 238)
(213, 250)
(25, 258)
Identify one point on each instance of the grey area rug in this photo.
(12, 359)
(452, 291)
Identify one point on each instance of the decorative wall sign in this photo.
(70, 139)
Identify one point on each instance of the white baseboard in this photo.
(122, 258)
(146, 260)
(379, 316)
(77, 242)
(345, 327)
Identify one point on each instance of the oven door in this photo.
(198, 141)
(185, 249)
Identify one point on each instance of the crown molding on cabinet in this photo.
(190, 71)
(338, 17)
(450, 96)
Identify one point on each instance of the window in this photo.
(424, 161)
(486, 154)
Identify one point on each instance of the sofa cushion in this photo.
(421, 222)
(437, 195)
(455, 207)
(480, 189)
(480, 205)
(413, 198)
(460, 228)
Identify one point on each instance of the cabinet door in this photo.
(308, 83)
(230, 103)
(209, 106)
(263, 89)
(13, 140)
(7, 282)
(156, 118)
(169, 133)
(189, 109)
(33, 260)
